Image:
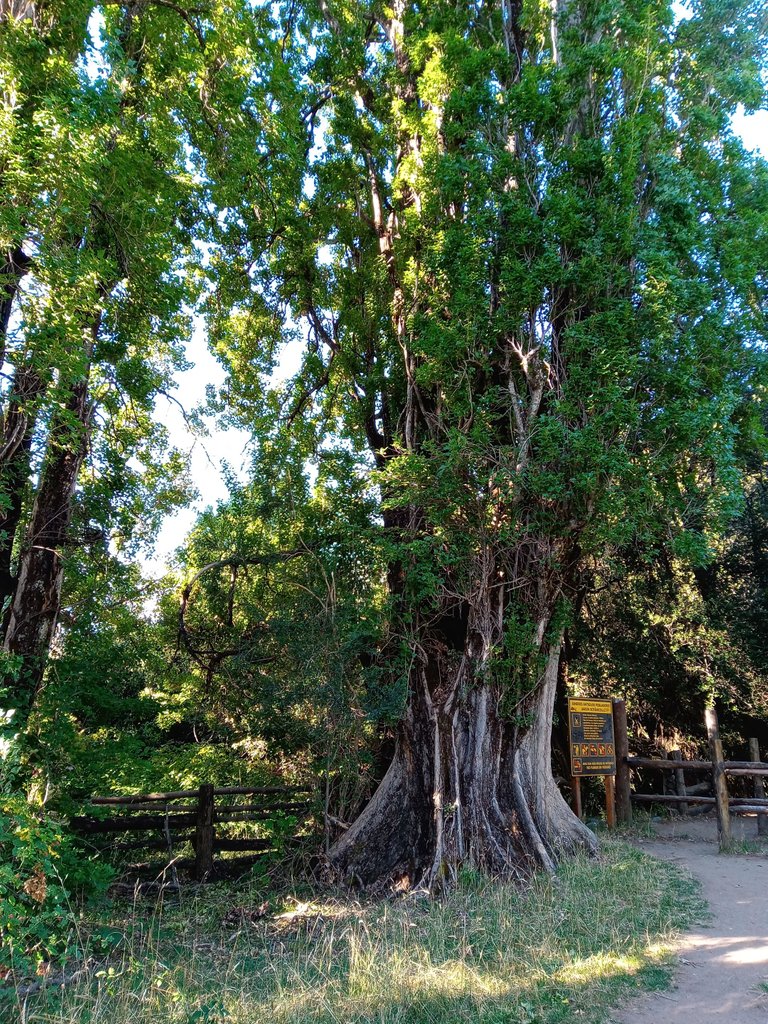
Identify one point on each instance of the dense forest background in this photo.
(276, 173)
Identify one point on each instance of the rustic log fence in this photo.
(193, 816)
(717, 767)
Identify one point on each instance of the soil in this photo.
(723, 964)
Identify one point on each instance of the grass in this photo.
(757, 846)
(641, 826)
(565, 949)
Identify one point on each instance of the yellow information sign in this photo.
(590, 733)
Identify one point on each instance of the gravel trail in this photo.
(723, 964)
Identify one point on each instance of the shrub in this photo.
(40, 868)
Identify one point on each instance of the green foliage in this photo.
(41, 875)
(280, 639)
(36, 920)
(671, 636)
(517, 282)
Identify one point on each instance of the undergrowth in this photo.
(563, 949)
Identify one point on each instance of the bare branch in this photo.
(208, 658)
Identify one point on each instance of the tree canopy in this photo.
(519, 255)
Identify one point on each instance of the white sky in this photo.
(209, 454)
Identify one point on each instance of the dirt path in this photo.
(723, 963)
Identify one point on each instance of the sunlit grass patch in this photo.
(563, 949)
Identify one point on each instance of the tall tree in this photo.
(110, 229)
(516, 256)
(41, 92)
(39, 43)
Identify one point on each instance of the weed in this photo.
(748, 846)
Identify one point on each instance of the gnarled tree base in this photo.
(465, 786)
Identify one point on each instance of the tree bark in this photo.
(37, 595)
(20, 10)
(16, 435)
(14, 484)
(13, 267)
(467, 784)
(18, 419)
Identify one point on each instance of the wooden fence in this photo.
(717, 767)
(192, 816)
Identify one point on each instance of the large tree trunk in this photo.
(16, 435)
(37, 594)
(15, 480)
(468, 784)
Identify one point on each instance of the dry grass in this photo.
(565, 949)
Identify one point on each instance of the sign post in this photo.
(621, 740)
(593, 751)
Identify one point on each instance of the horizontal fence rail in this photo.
(183, 794)
(730, 767)
(717, 767)
(194, 822)
(737, 801)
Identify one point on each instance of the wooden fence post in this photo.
(621, 746)
(677, 755)
(719, 780)
(610, 801)
(204, 832)
(759, 791)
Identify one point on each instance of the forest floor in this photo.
(723, 965)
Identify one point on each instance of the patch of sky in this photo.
(92, 64)
(682, 11)
(219, 455)
(752, 128)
